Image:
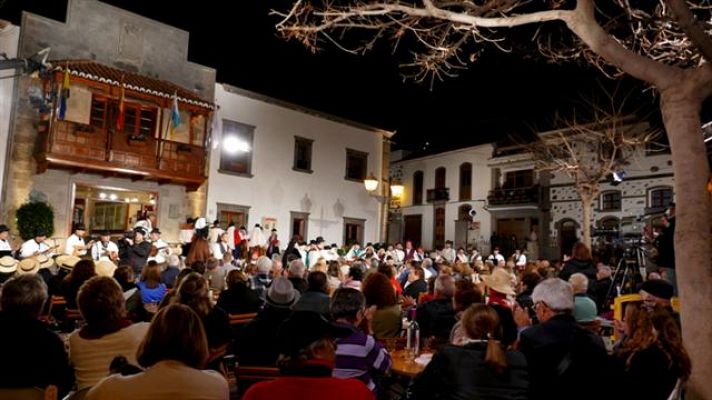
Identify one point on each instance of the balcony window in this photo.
(465, 182)
(440, 178)
(611, 201)
(302, 154)
(518, 179)
(660, 197)
(356, 165)
(418, 188)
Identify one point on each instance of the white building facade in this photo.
(289, 168)
(442, 192)
(9, 40)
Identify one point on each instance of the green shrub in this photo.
(33, 215)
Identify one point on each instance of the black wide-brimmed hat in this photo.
(303, 328)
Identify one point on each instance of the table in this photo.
(404, 364)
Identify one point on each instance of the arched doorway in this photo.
(567, 235)
(463, 226)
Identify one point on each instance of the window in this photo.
(302, 154)
(353, 230)
(418, 188)
(236, 148)
(440, 178)
(299, 225)
(356, 164)
(466, 182)
(660, 197)
(611, 201)
(139, 119)
(98, 112)
(519, 179)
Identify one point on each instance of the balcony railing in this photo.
(513, 196)
(433, 195)
(86, 148)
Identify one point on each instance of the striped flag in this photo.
(64, 94)
(175, 115)
(120, 118)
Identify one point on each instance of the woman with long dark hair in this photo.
(379, 292)
(82, 272)
(581, 261)
(653, 356)
(479, 369)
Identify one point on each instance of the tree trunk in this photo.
(586, 213)
(693, 230)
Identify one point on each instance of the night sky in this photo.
(501, 94)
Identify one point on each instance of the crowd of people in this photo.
(155, 322)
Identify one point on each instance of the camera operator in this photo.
(666, 247)
(136, 250)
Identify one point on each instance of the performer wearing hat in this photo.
(159, 248)
(36, 246)
(105, 249)
(5, 247)
(256, 242)
(75, 245)
(272, 244)
(139, 250)
(8, 266)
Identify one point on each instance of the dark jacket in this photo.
(600, 291)
(217, 327)
(586, 267)
(565, 360)
(258, 340)
(414, 289)
(300, 284)
(138, 254)
(168, 276)
(649, 375)
(435, 318)
(666, 245)
(317, 302)
(457, 373)
(33, 356)
(239, 299)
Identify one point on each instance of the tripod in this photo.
(625, 277)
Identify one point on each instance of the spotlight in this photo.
(102, 195)
(617, 177)
(113, 197)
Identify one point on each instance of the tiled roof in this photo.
(94, 71)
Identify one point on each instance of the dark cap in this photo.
(659, 288)
(40, 232)
(320, 239)
(140, 230)
(104, 233)
(156, 230)
(302, 329)
(80, 227)
(4, 228)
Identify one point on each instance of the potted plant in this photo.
(33, 215)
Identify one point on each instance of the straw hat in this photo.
(28, 266)
(45, 262)
(104, 268)
(499, 281)
(67, 261)
(8, 265)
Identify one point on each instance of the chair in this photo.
(249, 375)
(241, 319)
(48, 393)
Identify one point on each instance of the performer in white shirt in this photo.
(215, 232)
(105, 249)
(36, 246)
(256, 242)
(5, 247)
(75, 245)
(496, 257)
(520, 260)
(461, 256)
(448, 252)
(231, 237)
(162, 249)
(475, 256)
(399, 253)
(219, 248)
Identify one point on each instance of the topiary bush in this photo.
(33, 215)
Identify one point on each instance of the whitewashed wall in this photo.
(9, 38)
(481, 184)
(275, 189)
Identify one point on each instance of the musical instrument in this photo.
(44, 252)
(112, 255)
(77, 249)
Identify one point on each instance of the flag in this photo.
(64, 94)
(120, 118)
(175, 115)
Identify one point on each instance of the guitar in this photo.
(44, 252)
(77, 249)
(112, 255)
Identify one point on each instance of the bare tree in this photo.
(665, 43)
(590, 151)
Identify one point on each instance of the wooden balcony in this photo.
(85, 148)
(441, 194)
(513, 196)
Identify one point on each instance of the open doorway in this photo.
(110, 209)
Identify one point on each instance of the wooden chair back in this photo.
(247, 376)
(241, 319)
(48, 393)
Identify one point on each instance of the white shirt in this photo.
(72, 241)
(462, 258)
(168, 379)
(496, 257)
(314, 256)
(449, 255)
(163, 251)
(521, 261)
(214, 234)
(400, 255)
(186, 235)
(5, 245)
(30, 247)
(99, 252)
(231, 238)
(219, 251)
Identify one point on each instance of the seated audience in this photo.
(214, 274)
(258, 338)
(33, 356)
(107, 333)
(150, 287)
(466, 294)
(82, 272)
(357, 354)
(353, 280)
(416, 283)
(315, 298)
(379, 292)
(334, 276)
(306, 361)
(173, 353)
(261, 279)
(437, 317)
(584, 307)
(479, 369)
(168, 275)
(238, 298)
(296, 273)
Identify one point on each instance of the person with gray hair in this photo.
(34, 356)
(261, 281)
(563, 357)
(585, 310)
(169, 275)
(437, 317)
(296, 273)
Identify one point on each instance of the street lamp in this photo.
(396, 188)
(371, 183)
(393, 190)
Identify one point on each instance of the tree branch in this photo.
(692, 27)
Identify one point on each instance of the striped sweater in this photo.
(357, 354)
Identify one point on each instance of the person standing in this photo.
(215, 232)
(272, 244)
(256, 242)
(138, 251)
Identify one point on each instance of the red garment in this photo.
(396, 286)
(496, 297)
(299, 388)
